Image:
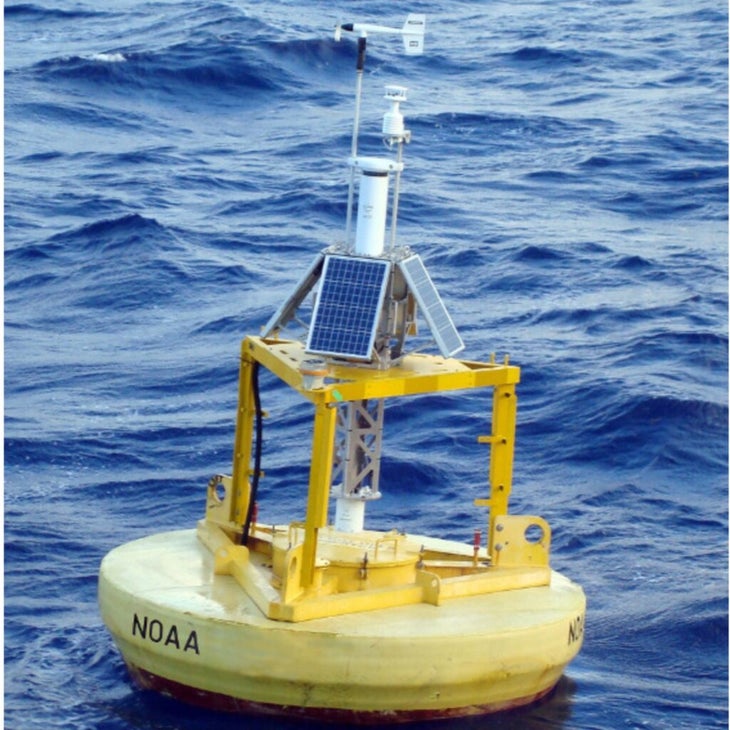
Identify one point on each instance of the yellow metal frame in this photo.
(516, 562)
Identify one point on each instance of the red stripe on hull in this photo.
(224, 703)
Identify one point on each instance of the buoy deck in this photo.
(194, 634)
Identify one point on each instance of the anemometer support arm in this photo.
(362, 43)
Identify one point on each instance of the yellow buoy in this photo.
(324, 618)
(198, 636)
(308, 620)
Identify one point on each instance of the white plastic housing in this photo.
(372, 208)
(372, 204)
(349, 514)
(393, 122)
(393, 119)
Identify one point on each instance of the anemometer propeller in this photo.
(412, 32)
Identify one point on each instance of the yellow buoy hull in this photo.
(196, 635)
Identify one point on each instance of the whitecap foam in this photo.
(109, 57)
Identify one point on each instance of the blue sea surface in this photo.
(171, 168)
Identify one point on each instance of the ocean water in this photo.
(170, 169)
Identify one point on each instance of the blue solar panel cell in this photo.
(442, 327)
(345, 319)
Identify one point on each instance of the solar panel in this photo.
(347, 312)
(428, 299)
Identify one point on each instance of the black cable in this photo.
(361, 46)
(256, 454)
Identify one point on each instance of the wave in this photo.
(98, 237)
(80, 113)
(212, 66)
(130, 262)
(665, 431)
(39, 14)
(651, 206)
(225, 68)
(543, 57)
(633, 263)
(539, 254)
(521, 129)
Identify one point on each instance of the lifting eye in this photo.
(534, 534)
(217, 489)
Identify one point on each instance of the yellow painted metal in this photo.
(315, 580)
(325, 419)
(399, 570)
(173, 616)
(504, 421)
(243, 443)
(501, 442)
(413, 375)
(219, 500)
(351, 562)
(521, 540)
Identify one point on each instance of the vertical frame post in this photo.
(242, 447)
(504, 421)
(323, 441)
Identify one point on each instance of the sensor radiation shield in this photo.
(393, 126)
(372, 204)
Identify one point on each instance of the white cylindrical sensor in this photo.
(372, 203)
(349, 514)
(372, 208)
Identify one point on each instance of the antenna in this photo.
(412, 33)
